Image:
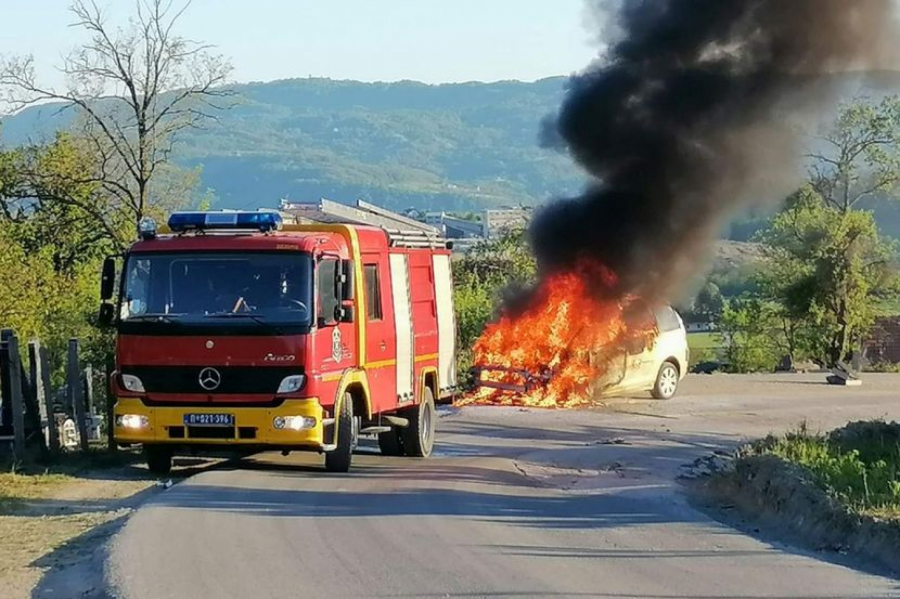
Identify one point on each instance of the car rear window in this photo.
(667, 319)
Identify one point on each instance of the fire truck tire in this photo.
(159, 459)
(390, 443)
(418, 437)
(338, 460)
(666, 381)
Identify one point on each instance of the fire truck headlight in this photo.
(132, 383)
(294, 423)
(292, 384)
(133, 421)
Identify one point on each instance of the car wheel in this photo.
(338, 459)
(418, 437)
(666, 381)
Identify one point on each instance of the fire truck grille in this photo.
(211, 432)
(211, 380)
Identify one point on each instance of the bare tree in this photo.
(135, 88)
(860, 154)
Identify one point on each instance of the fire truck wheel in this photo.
(666, 381)
(418, 437)
(390, 443)
(159, 459)
(338, 460)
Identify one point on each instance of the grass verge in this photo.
(38, 480)
(703, 341)
(858, 465)
(835, 492)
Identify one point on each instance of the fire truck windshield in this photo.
(271, 288)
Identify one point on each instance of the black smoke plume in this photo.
(689, 119)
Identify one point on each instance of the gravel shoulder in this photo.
(48, 527)
(53, 525)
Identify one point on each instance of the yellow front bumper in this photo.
(164, 425)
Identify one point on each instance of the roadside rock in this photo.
(717, 463)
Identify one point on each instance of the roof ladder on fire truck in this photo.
(401, 230)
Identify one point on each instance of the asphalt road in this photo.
(515, 504)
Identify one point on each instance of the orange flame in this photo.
(554, 353)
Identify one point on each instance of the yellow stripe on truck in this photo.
(380, 364)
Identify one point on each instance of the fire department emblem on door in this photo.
(337, 349)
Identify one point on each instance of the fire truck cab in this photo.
(237, 331)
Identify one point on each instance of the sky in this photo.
(371, 40)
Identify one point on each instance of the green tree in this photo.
(134, 89)
(828, 266)
(497, 262)
(828, 271)
(51, 245)
(746, 330)
(48, 194)
(38, 301)
(708, 305)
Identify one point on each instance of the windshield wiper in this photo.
(151, 318)
(257, 319)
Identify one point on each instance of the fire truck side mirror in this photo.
(347, 286)
(108, 279)
(348, 313)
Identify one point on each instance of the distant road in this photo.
(517, 504)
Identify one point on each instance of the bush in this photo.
(858, 464)
(874, 440)
(747, 335)
(480, 279)
(474, 307)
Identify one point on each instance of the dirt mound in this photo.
(789, 497)
(874, 441)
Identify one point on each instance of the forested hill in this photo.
(453, 146)
(404, 144)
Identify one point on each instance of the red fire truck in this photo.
(237, 331)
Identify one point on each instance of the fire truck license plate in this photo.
(209, 419)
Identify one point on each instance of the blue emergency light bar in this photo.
(180, 222)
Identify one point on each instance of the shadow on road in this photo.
(525, 506)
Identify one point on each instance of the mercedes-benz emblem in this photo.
(210, 379)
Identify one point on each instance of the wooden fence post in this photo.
(88, 390)
(75, 397)
(33, 421)
(6, 418)
(40, 383)
(17, 400)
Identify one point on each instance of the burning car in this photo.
(643, 364)
(649, 353)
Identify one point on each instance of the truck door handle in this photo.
(383, 345)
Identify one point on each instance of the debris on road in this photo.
(844, 375)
